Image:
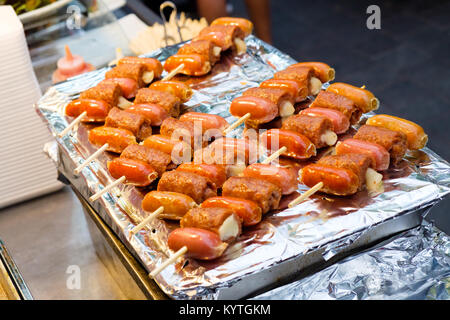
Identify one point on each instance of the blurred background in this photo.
(405, 63)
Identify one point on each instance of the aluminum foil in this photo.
(284, 242)
(414, 265)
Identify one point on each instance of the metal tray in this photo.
(286, 242)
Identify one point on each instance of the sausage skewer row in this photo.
(121, 83)
(382, 141)
(197, 57)
(276, 96)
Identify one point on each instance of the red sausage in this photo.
(194, 64)
(298, 92)
(177, 88)
(337, 181)
(248, 211)
(152, 113)
(339, 120)
(136, 172)
(208, 121)
(298, 146)
(201, 244)
(117, 139)
(284, 178)
(97, 110)
(261, 110)
(129, 86)
(214, 172)
(380, 157)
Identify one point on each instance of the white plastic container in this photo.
(25, 171)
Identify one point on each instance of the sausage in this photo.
(194, 64)
(337, 181)
(178, 150)
(133, 122)
(175, 204)
(303, 75)
(380, 157)
(131, 71)
(154, 114)
(318, 129)
(197, 187)
(363, 99)
(299, 93)
(265, 194)
(339, 120)
(136, 172)
(129, 86)
(321, 70)
(415, 135)
(179, 89)
(298, 146)
(205, 48)
(393, 141)
(96, 110)
(116, 138)
(281, 97)
(164, 99)
(357, 163)
(108, 92)
(223, 36)
(156, 158)
(201, 244)
(245, 25)
(284, 178)
(207, 120)
(326, 99)
(150, 64)
(261, 110)
(214, 172)
(222, 221)
(248, 211)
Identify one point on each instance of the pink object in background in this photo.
(70, 66)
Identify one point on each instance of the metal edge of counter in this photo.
(16, 286)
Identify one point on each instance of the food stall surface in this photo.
(49, 240)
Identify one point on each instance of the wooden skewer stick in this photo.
(90, 158)
(72, 124)
(173, 72)
(169, 261)
(147, 220)
(274, 155)
(305, 195)
(236, 124)
(107, 188)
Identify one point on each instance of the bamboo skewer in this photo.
(274, 155)
(147, 220)
(107, 188)
(172, 73)
(305, 195)
(237, 123)
(72, 124)
(169, 261)
(90, 158)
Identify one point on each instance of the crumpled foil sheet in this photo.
(284, 242)
(413, 265)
